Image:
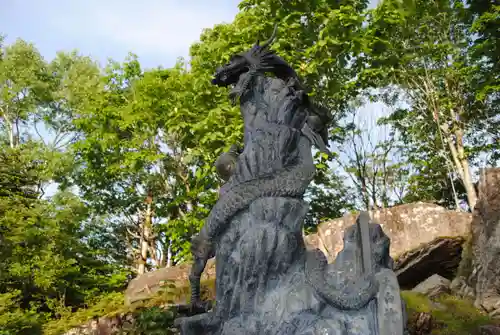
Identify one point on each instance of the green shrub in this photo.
(107, 305)
(17, 321)
(152, 321)
(147, 313)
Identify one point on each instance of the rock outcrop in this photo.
(408, 226)
(483, 261)
(102, 326)
(143, 286)
(489, 330)
(440, 256)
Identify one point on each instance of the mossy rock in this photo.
(465, 268)
(450, 315)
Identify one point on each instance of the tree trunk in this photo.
(169, 255)
(166, 254)
(4, 112)
(163, 255)
(374, 189)
(147, 239)
(455, 195)
(17, 135)
(141, 268)
(10, 130)
(469, 185)
(462, 166)
(467, 178)
(364, 193)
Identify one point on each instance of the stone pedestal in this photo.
(268, 283)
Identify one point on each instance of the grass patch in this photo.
(451, 315)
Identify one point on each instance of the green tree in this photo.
(54, 253)
(22, 84)
(485, 51)
(370, 155)
(329, 198)
(46, 266)
(485, 16)
(133, 163)
(74, 85)
(422, 49)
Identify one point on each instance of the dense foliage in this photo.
(106, 173)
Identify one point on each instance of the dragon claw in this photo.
(233, 96)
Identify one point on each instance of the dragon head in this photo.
(258, 57)
(230, 73)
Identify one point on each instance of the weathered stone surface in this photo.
(146, 285)
(433, 286)
(115, 325)
(293, 298)
(489, 330)
(440, 256)
(485, 244)
(313, 241)
(408, 226)
(423, 324)
(460, 288)
(102, 326)
(142, 287)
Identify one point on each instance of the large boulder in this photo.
(440, 256)
(144, 286)
(433, 286)
(408, 226)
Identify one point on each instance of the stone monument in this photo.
(266, 281)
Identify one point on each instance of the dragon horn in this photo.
(271, 39)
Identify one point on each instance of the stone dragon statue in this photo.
(240, 73)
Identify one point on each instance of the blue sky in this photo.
(158, 31)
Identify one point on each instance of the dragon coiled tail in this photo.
(194, 281)
(290, 182)
(353, 296)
